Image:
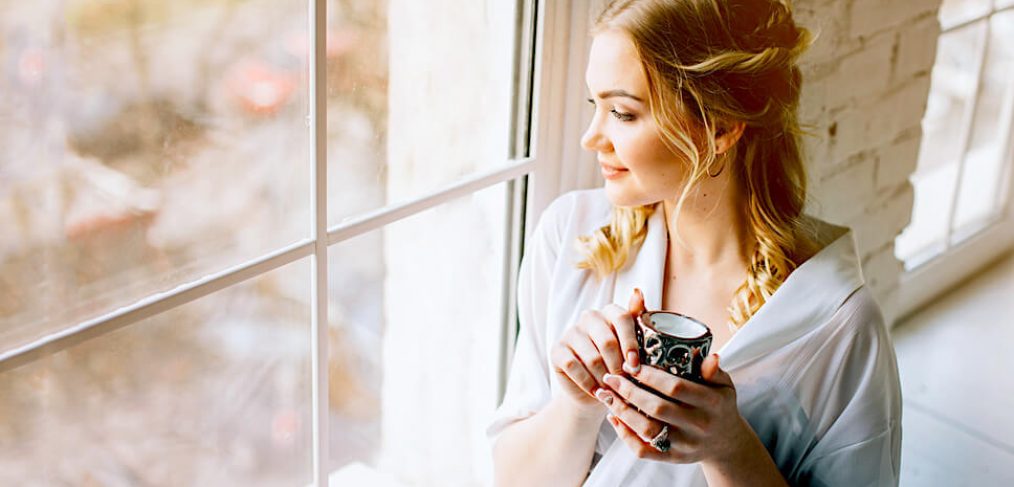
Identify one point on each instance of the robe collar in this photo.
(806, 300)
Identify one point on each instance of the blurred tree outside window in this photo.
(148, 144)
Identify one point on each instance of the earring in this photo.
(719, 169)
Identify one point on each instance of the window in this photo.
(965, 147)
(185, 299)
(962, 199)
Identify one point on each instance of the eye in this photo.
(626, 117)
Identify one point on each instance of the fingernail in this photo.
(611, 380)
(634, 360)
(631, 369)
(604, 396)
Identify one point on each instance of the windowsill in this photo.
(361, 474)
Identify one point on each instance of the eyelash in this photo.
(625, 117)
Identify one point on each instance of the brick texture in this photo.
(866, 82)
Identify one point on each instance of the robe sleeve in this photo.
(862, 445)
(528, 384)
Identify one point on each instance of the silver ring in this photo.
(661, 440)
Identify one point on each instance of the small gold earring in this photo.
(719, 169)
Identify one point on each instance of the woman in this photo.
(695, 128)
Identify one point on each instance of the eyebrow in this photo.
(611, 93)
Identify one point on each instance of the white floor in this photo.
(956, 359)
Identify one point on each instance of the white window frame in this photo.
(559, 115)
(531, 70)
(960, 260)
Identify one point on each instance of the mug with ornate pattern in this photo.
(673, 342)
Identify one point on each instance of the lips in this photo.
(609, 173)
(612, 168)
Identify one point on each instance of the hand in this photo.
(704, 421)
(600, 342)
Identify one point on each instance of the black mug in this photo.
(673, 342)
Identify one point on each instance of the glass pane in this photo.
(953, 83)
(417, 98)
(984, 162)
(417, 310)
(953, 12)
(143, 144)
(216, 392)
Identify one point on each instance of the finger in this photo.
(713, 373)
(678, 388)
(634, 442)
(608, 348)
(567, 363)
(600, 331)
(645, 427)
(636, 305)
(585, 351)
(653, 407)
(636, 308)
(623, 329)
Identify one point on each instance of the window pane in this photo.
(144, 144)
(984, 162)
(954, 12)
(954, 79)
(216, 392)
(417, 309)
(418, 97)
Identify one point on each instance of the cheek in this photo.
(654, 175)
(652, 165)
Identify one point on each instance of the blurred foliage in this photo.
(103, 17)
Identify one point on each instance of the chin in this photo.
(625, 198)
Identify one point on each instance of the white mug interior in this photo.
(676, 325)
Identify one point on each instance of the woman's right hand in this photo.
(598, 343)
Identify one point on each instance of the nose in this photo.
(593, 139)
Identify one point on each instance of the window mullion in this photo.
(1006, 132)
(351, 227)
(153, 305)
(966, 135)
(319, 295)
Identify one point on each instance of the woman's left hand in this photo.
(704, 422)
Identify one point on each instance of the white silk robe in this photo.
(814, 368)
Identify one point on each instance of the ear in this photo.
(727, 134)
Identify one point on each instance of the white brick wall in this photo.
(866, 82)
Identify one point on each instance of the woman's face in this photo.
(622, 131)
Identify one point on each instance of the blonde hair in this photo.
(708, 61)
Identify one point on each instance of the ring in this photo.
(661, 440)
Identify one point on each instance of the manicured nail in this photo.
(611, 380)
(604, 396)
(634, 361)
(630, 369)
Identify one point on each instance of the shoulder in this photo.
(859, 317)
(862, 351)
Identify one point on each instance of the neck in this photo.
(713, 230)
